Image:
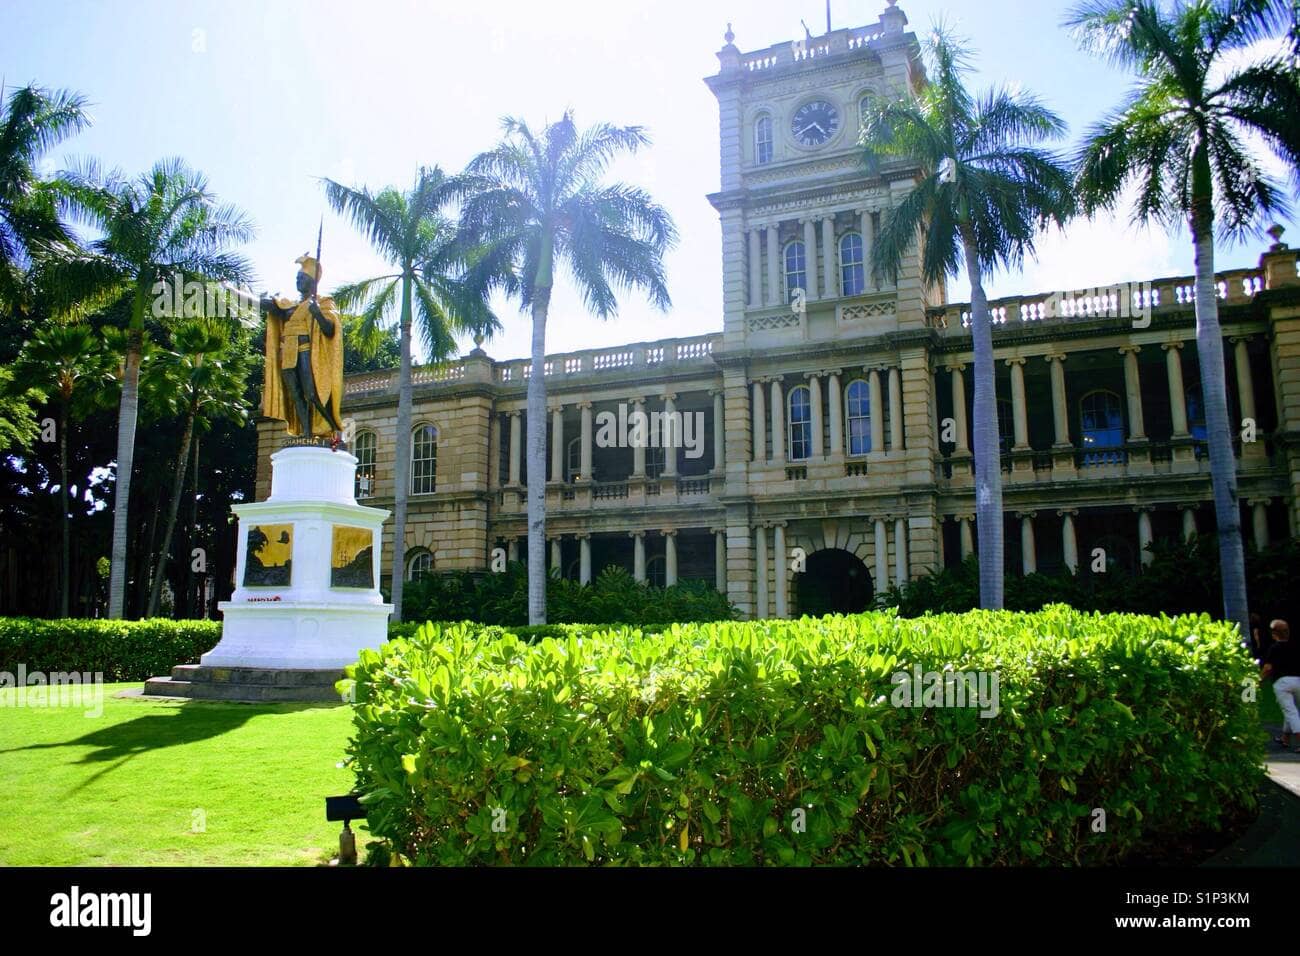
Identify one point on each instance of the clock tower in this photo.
(799, 206)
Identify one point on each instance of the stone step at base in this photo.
(249, 684)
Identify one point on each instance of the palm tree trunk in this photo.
(988, 466)
(536, 444)
(173, 509)
(126, 420)
(66, 575)
(1223, 463)
(402, 459)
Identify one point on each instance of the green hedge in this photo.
(614, 597)
(698, 745)
(120, 650)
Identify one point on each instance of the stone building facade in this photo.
(830, 456)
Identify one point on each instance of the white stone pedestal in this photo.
(293, 607)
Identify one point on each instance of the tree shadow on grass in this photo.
(176, 727)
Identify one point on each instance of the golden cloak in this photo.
(326, 368)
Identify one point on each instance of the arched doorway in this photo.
(835, 582)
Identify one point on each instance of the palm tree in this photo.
(32, 122)
(202, 376)
(160, 225)
(985, 190)
(411, 233)
(65, 356)
(1179, 137)
(536, 201)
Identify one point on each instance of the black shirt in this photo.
(1285, 658)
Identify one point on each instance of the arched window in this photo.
(573, 459)
(656, 572)
(858, 400)
(796, 269)
(424, 459)
(1102, 426)
(866, 105)
(419, 564)
(654, 461)
(1196, 414)
(853, 279)
(800, 426)
(363, 446)
(1006, 425)
(763, 139)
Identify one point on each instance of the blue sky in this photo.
(264, 97)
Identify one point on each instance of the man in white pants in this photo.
(1282, 666)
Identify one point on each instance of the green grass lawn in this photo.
(127, 787)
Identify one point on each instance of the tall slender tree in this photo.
(410, 231)
(152, 229)
(32, 122)
(534, 202)
(985, 189)
(1180, 139)
(199, 376)
(61, 359)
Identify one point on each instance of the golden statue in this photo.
(303, 386)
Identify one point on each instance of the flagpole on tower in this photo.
(828, 16)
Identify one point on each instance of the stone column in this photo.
(810, 257)
(760, 422)
(877, 411)
(557, 443)
(900, 551)
(781, 566)
(882, 557)
(868, 240)
(638, 555)
(1144, 534)
(1245, 378)
(835, 404)
(638, 448)
(670, 557)
(895, 410)
(1133, 391)
(1177, 393)
(557, 558)
(760, 572)
(828, 257)
(670, 435)
(585, 466)
(755, 268)
(1019, 411)
(719, 431)
(773, 265)
(1189, 522)
(778, 422)
(967, 538)
(1259, 521)
(584, 558)
(815, 400)
(962, 446)
(1069, 543)
(1028, 553)
(512, 550)
(720, 560)
(1060, 412)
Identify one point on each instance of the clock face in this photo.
(814, 123)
